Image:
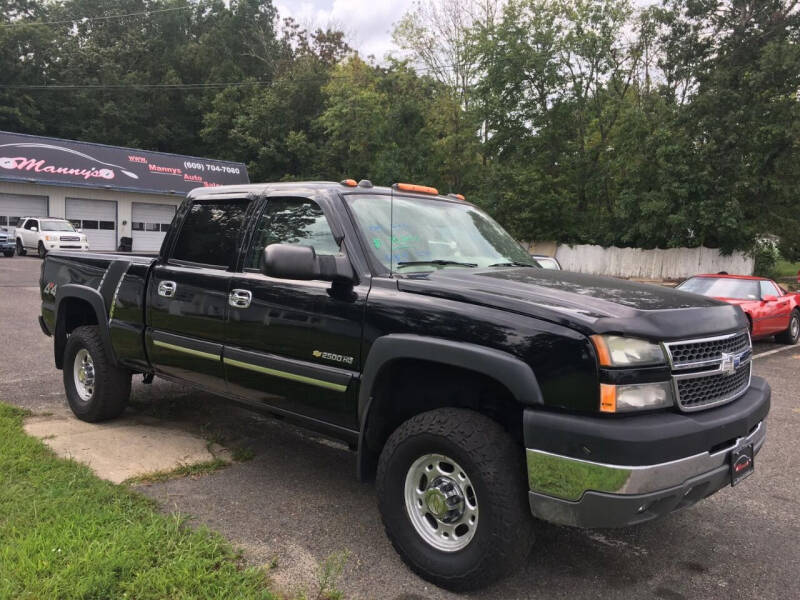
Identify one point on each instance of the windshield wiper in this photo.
(411, 263)
(513, 263)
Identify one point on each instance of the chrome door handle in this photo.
(167, 289)
(240, 298)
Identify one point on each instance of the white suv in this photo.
(43, 234)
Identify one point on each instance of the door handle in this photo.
(240, 298)
(167, 289)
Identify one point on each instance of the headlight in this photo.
(641, 396)
(51, 238)
(618, 351)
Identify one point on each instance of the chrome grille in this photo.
(70, 238)
(698, 392)
(686, 355)
(710, 371)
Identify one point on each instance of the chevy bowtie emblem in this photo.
(730, 362)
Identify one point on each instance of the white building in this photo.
(108, 192)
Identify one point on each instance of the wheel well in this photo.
(72, 313)
(407, 387)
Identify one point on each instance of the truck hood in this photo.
(588, 303)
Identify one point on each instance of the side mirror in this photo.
(34, 229)
(769, 298)
(287, 261)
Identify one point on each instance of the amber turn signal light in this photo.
(603, 354)
(608, 398)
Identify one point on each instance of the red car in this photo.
(770, 309)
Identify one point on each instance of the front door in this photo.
(188, 294)
(777, 312)
(294, 345)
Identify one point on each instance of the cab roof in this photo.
(305, 187)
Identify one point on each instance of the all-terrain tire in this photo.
(20, 248)
(792, 333)
(111, 386)
(495, 466)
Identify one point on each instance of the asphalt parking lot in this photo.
(298, 502)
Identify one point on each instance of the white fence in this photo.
(673, 263)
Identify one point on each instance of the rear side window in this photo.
(291, 221)
(210, 233)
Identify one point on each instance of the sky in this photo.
(367, 23)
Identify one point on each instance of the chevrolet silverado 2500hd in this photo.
(476, 387)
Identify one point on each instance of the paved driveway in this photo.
(297, 502)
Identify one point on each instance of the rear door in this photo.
(295, 345)
(188, 293)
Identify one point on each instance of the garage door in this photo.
(97, 219)
(14, 206)
(149, 224)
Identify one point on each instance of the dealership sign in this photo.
(47, 160)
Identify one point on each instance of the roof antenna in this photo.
(391, 230)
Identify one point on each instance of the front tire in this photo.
(8, 254)
(41, 250)
(96, 389)
(453, 495)
(792, 334)
(20, 248)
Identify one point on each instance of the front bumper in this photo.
(626, 471)
(7, 246)
(66, 246)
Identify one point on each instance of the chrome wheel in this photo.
(794, 327)
(83, 373)
(441, 502)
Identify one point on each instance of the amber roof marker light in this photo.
(413, 187)
(349, 182)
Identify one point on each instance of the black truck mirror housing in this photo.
(289, 261)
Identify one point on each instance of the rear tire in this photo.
(792, 334)
(20, 248)
(475, 467)
(41, 250)
(96, 389)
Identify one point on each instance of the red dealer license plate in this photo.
(742, 464)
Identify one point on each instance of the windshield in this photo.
(722, 287)
(57, 226)
(433, 234)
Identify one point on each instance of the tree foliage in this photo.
(576, 120)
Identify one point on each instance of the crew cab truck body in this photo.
(476, 387)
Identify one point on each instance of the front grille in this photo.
(710, 371)
(698, 392)
(686, 354)
(3, 239)
(70, 238)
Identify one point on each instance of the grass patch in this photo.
(66, 534)
(784, 268)
(195, 470)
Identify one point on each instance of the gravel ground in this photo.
(298, 502)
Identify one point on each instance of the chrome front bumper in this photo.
(572, 491)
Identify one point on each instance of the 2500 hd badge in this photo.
(477, 388)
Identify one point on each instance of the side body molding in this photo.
(95, 300)
(509, 370)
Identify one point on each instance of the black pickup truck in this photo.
(476, 387)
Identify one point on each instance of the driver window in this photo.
(297, 221)
(768, 289)
(31, 224)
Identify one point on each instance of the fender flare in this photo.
(95, 300)
(507, 369)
